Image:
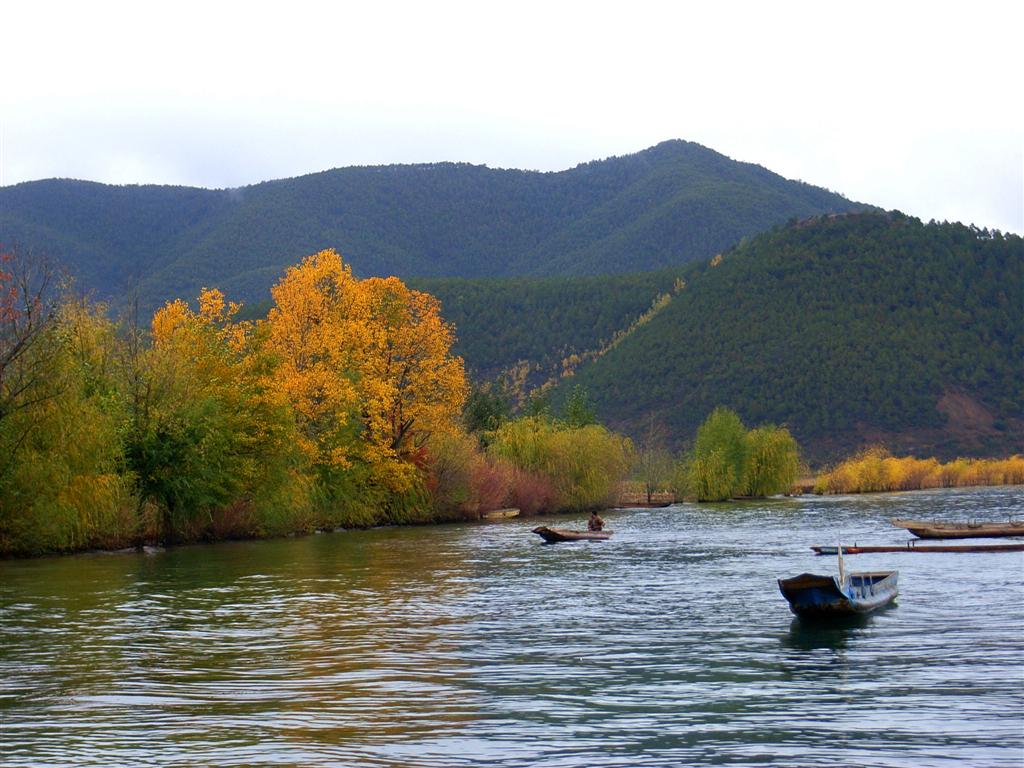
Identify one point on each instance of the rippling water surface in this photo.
(479, 645)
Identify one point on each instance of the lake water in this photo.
(472, 645)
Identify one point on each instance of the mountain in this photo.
(672, 203)
(851, 330)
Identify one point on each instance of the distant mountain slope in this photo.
(851, 330)
(673, 203)
(534, 323)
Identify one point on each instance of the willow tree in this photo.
(772, 461)
(719, 457)
(62, 484)
(584, 465)
(728, 461)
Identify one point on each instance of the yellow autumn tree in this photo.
(366, 364)
(315, 331)
(410, 384)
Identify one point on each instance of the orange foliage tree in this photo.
(315, 330)
(366, 364)
(411, 384)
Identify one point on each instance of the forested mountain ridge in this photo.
(532, 324)
(672, 203)
(850, 330)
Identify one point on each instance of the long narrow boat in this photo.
(812, 595)
(553, 535)
(500, 514)
(928, 529)
(909, 547)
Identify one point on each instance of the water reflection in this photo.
(808, 634)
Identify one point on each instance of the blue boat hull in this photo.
(822, 596)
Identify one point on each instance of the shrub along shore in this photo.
(876, 471)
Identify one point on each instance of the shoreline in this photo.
(156, 547)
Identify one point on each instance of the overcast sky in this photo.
(911, 106)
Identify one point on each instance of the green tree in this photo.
(772, 461)
(62, 484)
(487, 408)
(585, 465)
(719, 456)
(579, 411)
(206, 429)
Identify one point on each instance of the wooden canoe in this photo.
(553, 535)
(927, 529)
(817, 596)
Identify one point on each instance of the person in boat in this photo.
(595, 523)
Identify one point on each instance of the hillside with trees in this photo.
(667, 205)
(849, 330)
(534, 323)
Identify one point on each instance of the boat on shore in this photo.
(554, 535)
(500, 514)
(928, 529)
(643, 505)
(910, 547)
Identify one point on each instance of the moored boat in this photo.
(910, 547)
(929, 529)
(848, 594)
(553, 535)
(820, 596)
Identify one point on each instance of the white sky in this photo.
(916, 106)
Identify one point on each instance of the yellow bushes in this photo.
(875, 470)
(583, 465)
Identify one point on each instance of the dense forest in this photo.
(673, 203)
(850, 330)
(505, 322)
(344, 401)
(642, 278)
